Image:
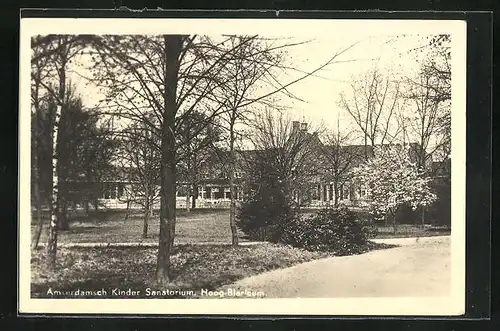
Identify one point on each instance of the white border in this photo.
(452, 305)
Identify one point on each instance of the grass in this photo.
(410, 230)
(198, 226)
(206, 226)
(193, 268)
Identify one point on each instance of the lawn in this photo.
(194, 267)
(410, 231)
(207, 226)
(197, 226)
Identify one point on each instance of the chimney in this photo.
(303, 127)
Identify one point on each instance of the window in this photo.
(202, 193)
(121, 188)
(316, 193)
(110, 190)
(345, 192)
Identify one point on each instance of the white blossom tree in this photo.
(393, 180)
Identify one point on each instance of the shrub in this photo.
(440, 212)
(262, 217)
(335, 230)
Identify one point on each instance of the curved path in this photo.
(419, 267)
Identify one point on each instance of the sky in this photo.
(321, 92)
(317, 99)
(386, 43)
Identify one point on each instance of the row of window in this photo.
(113, 191)
(221, 175)
(326, 192)
(117, 190)
(322, 192)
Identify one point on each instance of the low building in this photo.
(209, 188)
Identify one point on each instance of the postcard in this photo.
(242, 166)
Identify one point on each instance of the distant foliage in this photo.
(439, 213)
(336, 230)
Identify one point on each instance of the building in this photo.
(210, 187)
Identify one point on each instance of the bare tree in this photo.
(254, 65)
(99, 149)
(38, 73)
(250, 64)
(167, 76)
(427, 116)
(437, 65)
(171, 76)
(372, 104)
(339, 157)
(55, 51)
(428, 111)
(428, 95)
(291, 152)
(195, 151)
(140, 169)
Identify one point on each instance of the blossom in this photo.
(393, 180)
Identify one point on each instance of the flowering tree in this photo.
(393, 180)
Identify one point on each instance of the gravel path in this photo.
(419, 267)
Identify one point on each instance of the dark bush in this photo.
(263, 216)
(439, 213)
(406, 215)
(335, 230)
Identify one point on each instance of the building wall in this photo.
(213, 189)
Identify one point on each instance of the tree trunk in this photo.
(147, 211)
(336, 192)
(51, 249)
(63, 222)
(36, 180)
(86, 207)
(232, 207)
(353, 194)
(127, 211)
(393, 216)
(188, 192)
(38, 204)
(195, 194)
(423, 217)
(366, 147)
(173, 45)
(62, 170)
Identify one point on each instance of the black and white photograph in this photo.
(242, 166)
